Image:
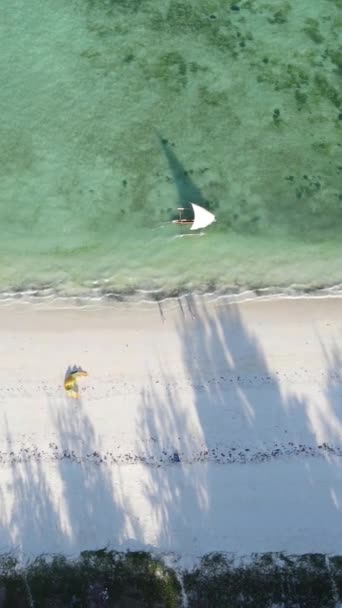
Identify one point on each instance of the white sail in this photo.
(202, 217)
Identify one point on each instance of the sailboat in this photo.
(202, 217)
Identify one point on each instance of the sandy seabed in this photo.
(201, 427)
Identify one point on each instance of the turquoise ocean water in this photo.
(114, 113)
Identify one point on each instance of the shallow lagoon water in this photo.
(113, 114)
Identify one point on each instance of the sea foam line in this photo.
(98, 297)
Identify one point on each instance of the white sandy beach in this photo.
(200, 428)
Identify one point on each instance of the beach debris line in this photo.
(156, 455)
(70, 382)
(202, 217)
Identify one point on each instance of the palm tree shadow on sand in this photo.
(233, 394)
(31, 521)
(74, 506)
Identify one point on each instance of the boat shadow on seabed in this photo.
(193, 215)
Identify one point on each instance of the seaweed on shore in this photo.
(110, 579)
(100, 578)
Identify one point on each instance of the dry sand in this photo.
(200, 428)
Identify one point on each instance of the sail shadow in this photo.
(187, 190)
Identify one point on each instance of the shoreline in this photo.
(145, 298)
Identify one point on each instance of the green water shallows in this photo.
(114, 113)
